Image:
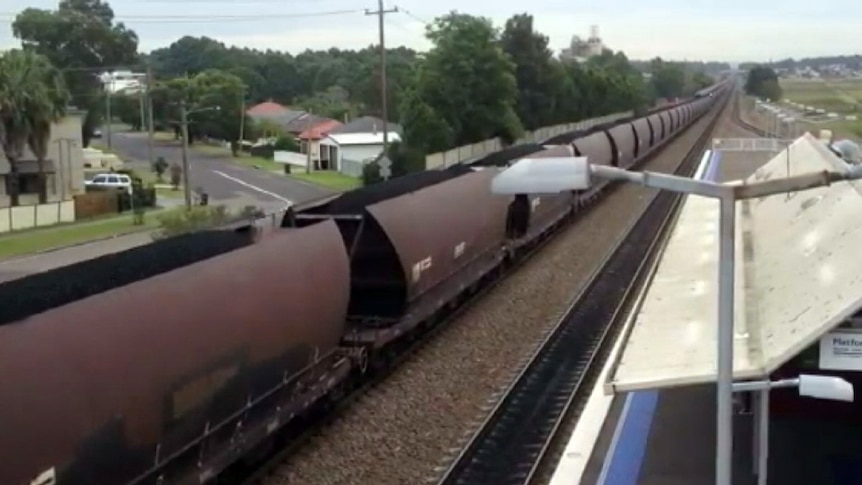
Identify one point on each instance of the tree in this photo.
(159, 166)
(219, 90)
(468, 80)
(80, 38)
(540, 91)
(176, 175)
(762, 82)
(304, 79)
(668, 79)
(32, 97)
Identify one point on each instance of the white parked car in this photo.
(111, 180)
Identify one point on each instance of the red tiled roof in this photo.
(320, 130)
(267, 108)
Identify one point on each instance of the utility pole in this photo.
(242, 120)
(184, 124)
(108, 109)
(308, 142)
(150, 126)
(381, 13)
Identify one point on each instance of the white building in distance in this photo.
(123, 82)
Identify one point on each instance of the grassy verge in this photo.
(329, 179)
(41, 239)
(163, 136)
(169, 193)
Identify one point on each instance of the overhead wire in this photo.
(411, 15)
(192, 19)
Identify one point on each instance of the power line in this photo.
(411, 15)
(193, 19)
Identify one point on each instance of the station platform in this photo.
(797, 278)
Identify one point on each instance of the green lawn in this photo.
(842, 96)
(35, 240)
(170, 193)
(329, 179)
(333, 180)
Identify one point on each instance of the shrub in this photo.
(183, 221)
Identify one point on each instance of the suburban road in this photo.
(222, 179)
(227, 183)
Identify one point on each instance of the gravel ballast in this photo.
(401, 431)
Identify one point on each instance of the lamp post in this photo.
(185, 112)
(553, 175)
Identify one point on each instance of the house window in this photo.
(28, 184)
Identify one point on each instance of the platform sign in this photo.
(749, 144)
(841, 351)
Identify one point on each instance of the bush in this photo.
(287, 144)
(197, 218)
(263, 151)
(160, 166)
(371, 174)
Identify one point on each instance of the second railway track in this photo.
(395, 433)
(513, 442)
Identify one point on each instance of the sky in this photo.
(726, 30)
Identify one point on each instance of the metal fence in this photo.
(467, 152)
(351, 167)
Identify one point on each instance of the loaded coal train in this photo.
(170, 362)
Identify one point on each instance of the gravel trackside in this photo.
(404, 429)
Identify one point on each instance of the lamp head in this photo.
(825, 387)
(543, 176)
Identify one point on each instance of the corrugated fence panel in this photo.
(467, 152)
(352, 167)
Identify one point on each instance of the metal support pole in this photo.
(141, 114)
(755, 433)
(763, 437)
(724, 396)
(381, 27)
(241, 121)
(108, 114)
(184, 124)
(150, 125)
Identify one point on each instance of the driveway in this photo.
(218, 175)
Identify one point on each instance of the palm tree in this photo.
(32, 97)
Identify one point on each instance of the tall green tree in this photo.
(668, 78)
(762, 82)
(81, 39)
(32, 97)
(540, 90)
(468, 80)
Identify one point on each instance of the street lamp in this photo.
(184, 125)
(817, 387)
(552, 175)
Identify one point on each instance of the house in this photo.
(305, 121)
(351, 145)
(64, 177)
(347, 152)
(64, 166)
(272, 112)
(310, 140)
(365, 124)
(267, 109)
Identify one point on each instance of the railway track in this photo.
(270, 470)
(513, 443)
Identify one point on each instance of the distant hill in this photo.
(852, 62)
